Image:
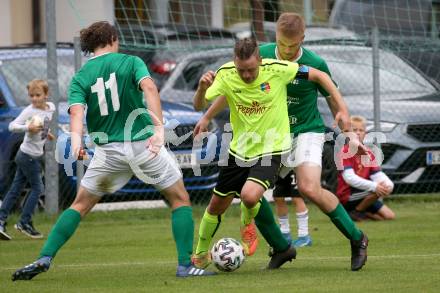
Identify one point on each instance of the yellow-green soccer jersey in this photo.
(302, 95)
(258, 110)
(109, 85)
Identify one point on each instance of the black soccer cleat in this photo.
(277, 259)
(28, 272)
(359, 252)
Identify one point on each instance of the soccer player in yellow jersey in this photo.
(256, 93)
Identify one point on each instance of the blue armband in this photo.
(303, 72)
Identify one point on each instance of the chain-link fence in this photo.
(175, 41)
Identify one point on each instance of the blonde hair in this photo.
(38, 84)
(291, 24)
(358, 118)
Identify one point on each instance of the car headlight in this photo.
(384, 126)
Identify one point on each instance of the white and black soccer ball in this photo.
(227, 254)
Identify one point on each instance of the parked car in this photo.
(409, 28)
(159, 45)
(20, 65)
(313, 32)
(410, 104)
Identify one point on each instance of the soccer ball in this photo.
(227, 254)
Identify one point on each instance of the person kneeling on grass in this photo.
(362, 185)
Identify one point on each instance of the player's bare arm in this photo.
(219, 104)
(76, 128)
(205, 82)
(152, 99)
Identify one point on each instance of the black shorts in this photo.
(374, 208)
(233, 176)
(286, 187)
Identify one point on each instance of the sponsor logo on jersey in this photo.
(255, 108)
(236, 91)
(265, 87)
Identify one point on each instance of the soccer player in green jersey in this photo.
(307, 128)
(129, 138)
(256, 93)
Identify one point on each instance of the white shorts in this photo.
(114, 164)
(306, 148)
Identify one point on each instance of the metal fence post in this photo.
(51, 165)
(376, 79)
(79, 163)
(308, 12)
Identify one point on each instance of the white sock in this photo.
(284, 224)
(303, 223)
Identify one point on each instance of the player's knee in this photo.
(249, 198)
(389, 215)
(309, 189)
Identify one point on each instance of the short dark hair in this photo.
(97, 35)
(245, 48)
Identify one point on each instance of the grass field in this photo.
(133, 251)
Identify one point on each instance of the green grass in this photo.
(133, 251)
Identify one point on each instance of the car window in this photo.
(189, 79)
(18, 72)
(352, 69)
(2, 101)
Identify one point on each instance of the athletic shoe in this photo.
(357, 216)
(288, 237)
(359, 252)
(249, 238)
(303, 241)
(28, 230)
(279, 258)
(192, 271)
(201, 260)
(3, 234)
(28, 272)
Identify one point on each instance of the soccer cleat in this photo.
(28, 272)
(28, 230)
(192, 271)
(277, 259)
(249, 238)
(201, 260)
(288, 237)
(359, 252)
(303, 241)
(3, 234)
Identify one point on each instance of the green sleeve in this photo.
(324, 68)
(217, 89)
(76, 94)
(140, 70)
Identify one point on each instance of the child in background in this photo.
(362, 185)
(34, 121)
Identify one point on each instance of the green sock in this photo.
(63, 229)
(269, 228)
(208, 226)
(183, 232)
(344, 223)
(248, 214)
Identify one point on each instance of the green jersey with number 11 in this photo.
(108, 85)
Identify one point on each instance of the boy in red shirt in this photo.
(361, 184)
